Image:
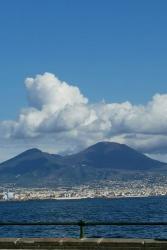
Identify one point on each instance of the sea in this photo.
(148, 209)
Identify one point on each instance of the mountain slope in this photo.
(98, 162)
(29, 167)
(114, 156)
(30, 159)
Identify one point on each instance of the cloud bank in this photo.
(58, 113)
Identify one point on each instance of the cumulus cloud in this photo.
(47, 91)
(58, 110)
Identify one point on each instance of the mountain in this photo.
(114, 156)
(29, 167)
(31, 159)
(101, 161)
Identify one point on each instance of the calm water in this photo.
(129, 209)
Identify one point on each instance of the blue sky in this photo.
(112, 50)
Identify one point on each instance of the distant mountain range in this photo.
(102, 161)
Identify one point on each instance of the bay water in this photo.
(148, 209)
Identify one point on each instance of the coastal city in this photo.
(106, 189)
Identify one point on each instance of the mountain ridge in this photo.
(97, 162)
(108, 153)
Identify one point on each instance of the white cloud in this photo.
(48, 92)
(59, 112)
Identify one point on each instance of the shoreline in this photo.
(84, 198)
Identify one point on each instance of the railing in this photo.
(82, 224)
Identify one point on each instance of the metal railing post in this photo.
(81, 225)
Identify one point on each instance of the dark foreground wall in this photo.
(77, 244)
